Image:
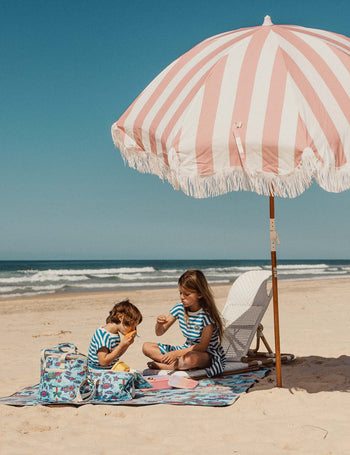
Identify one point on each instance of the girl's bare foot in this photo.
(161, 366)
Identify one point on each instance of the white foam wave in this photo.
(325, 277)
(5, 289)
(231, 269)
(128, 276)
(114, 271)
(310, 272)
(213, 282)
(175, 271)
(74, 275)
(27, 294)
(231, 274)
(11, 289)
(118, 285)
(302, 266)
(138, 284)
(138, 276)
(42, 277)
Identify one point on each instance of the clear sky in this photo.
(69, 69)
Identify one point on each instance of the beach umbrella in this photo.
(264, 109)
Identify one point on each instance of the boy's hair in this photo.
(194, 280)
(132, 315)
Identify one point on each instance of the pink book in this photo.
(182, 383)
(157, 383)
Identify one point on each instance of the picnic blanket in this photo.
(220, 391)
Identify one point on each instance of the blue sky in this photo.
(69, 69)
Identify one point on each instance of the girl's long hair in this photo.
(194, 280)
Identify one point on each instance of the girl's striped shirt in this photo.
(192, 325)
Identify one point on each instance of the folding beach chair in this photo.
(245, 307)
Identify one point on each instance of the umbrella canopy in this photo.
(264, 109)
(244, 110)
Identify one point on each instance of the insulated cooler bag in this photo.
(65, 376)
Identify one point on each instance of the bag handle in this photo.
(87, 396)
(63, 360)
(65, 348)
(68, 348)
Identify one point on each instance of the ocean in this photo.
(30, 278)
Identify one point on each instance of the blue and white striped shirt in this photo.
(193, 325)
(100, 339)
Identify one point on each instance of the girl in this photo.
(201, 325)
(106, 346)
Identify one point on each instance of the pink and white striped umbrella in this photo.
(265, 109)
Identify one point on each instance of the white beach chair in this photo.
(245, 307)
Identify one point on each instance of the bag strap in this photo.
(63, 360)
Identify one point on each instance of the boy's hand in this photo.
(132, 334)
(127, 341)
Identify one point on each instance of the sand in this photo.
(310, 414)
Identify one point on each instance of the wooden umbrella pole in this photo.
(273, 238)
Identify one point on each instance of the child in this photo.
(106, 346)
(201, 325)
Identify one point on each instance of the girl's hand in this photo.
(163, 323)
(162, 319)
(169, 357)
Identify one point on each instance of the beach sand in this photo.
(310, 414)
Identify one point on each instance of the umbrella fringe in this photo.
(236, 179)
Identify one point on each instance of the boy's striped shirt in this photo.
(102, 338)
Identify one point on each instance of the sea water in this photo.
(28, 278)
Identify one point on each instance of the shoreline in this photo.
(4, 301)
(44, 302)
(34, 279)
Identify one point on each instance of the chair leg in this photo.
(260, 336)
(254, 357)
(267, 346)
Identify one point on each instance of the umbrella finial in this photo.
(267, 20)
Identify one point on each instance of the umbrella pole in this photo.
(273, 238)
